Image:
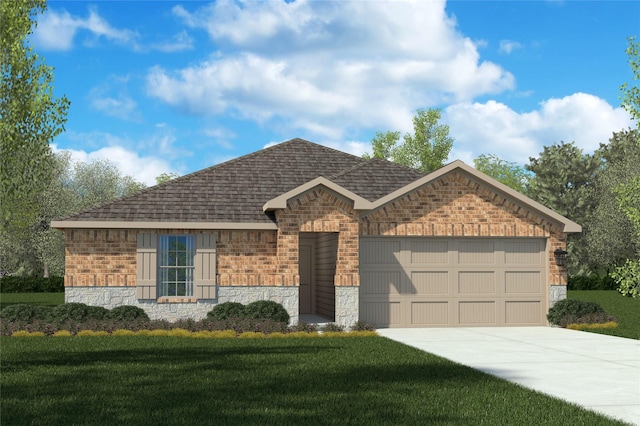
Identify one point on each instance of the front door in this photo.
(306, 277)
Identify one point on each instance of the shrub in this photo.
(97, 312)
(227, 310)
(567, 311)
(267, 309)
(70, 311)
(62, 333)
(628, 278)
(304, 327)
(332, 327)
(591, 282)
(25, 313)
(127, 313)
(10, 284)
(362, 326)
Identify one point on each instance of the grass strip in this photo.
(42, 299)
(329, 381)
(625, 309)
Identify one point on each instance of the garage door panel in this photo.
(522, 253)
(476, 282)
(430, 313)
(381, 313)
(381, 283)
(523, 282)
(429, 252)
(477, 312)
(430, 282)
(379, 251)
(527, 312)
(476, 252)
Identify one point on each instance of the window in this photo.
(176, 265)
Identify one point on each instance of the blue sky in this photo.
(178, 86)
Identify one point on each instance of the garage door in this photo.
(429, 282)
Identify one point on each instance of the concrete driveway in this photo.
(598, 372)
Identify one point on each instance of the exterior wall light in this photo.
(561, 257)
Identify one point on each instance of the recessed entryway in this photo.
(317, 268)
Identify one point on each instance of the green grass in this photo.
(625, 309)
(315, 381)
(44, 299)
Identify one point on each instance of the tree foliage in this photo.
(562, 181)
(426, 150)
(73, 187)
(30, 116)
(511, 174)
(630, 93)
(166, 177)
(609, 232)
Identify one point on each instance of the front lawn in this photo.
(43, 299)
(625, 309)
(318, 381)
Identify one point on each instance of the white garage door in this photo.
(449, 282)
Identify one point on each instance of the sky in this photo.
(174, 87)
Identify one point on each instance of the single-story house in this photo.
(324, 233)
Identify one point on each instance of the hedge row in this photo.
(11, 284)
(591, 282)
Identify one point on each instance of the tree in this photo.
(628, 194)
(30, 117)
(610, 237)
(563, 176)
(73, 187)
(166, 177)
(425, 150)
(630, 94)
(511, 174)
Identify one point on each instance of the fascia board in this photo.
(280, 202)
(99, 224)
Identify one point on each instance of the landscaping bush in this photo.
(568, 311)
(10, 284)
(266, 309)
(127, 313)
(227, 310)
(332, 327)
(25, 313)
(591, 282)
(362, 326)
(70, 311)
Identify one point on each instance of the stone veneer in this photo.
(110, 297)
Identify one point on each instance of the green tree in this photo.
(630, 93)
(511, 174)
(628, 194)
(73, 187)
(610, 237)
(30, 117)
(563, 176)
(166, 177)
(426, 150)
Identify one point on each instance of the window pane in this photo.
(176, 260)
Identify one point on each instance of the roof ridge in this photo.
(349, 169)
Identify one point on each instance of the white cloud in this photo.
(327, 67)
(141, 168)
(508, 46)
(494, 128)
(179, 42)
(112, 98)
(57, 29)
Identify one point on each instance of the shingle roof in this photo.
(236, 190)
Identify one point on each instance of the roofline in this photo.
(568, 226)
(99, 224)
(280, 202)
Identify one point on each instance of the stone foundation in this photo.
(110, 297)
(557, 293)
(347, 305)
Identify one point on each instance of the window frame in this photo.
(183, 260)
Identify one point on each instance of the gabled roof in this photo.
(242, 193)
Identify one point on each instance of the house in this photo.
(324, 233)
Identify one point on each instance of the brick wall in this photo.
(457, 205)
(319, 210)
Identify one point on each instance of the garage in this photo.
(453, 282)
